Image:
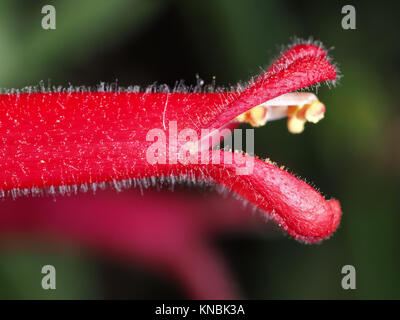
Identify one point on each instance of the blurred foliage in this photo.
(20, 276)
(352, 155)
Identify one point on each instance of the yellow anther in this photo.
(298, 115)
(256, 116)
(242, 118)
(315, 111)
(295, 125)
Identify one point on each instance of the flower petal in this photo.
(297, 207)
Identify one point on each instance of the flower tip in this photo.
(336, 212)
(324, 228)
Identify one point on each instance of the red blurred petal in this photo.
(161, 230)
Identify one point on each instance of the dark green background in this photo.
(352, 155)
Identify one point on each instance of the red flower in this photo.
(61, 142)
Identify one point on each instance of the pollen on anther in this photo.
(256, 116)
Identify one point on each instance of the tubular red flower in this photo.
(63, 141)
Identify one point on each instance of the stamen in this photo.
(299, 107)
(314, 112)
(295, 124)
(256, 116)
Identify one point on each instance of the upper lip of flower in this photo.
(63, 141)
